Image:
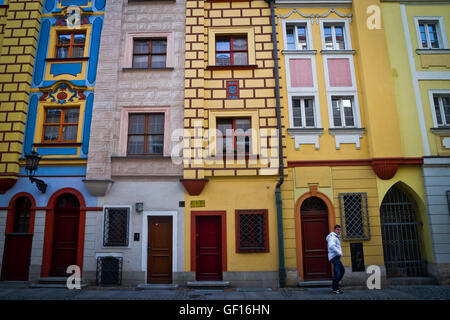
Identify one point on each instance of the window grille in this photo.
(109, 270)
(354, 216)
(116, 227)
(448, 200)
(252, 231)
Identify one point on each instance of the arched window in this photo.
(22, 214)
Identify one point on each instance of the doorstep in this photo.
(315, 284)
(208, 284)
(157, 286)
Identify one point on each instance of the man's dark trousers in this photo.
(339, 271)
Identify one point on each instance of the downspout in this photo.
(279, 202)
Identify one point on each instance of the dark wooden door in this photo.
(314, 219)
(16, 258)
(159, 258)
(65, 235)
(208, 248)
(18, 243)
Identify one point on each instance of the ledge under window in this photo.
(67, 59)
(338, 52)
(347, 136)
(234, 67)
(309, 52)
(143, 156)
(441, 130)
(305, 136)
(433, 51)
(144, 69)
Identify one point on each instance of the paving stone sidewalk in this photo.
(432, 292)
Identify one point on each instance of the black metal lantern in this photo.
(31, 165)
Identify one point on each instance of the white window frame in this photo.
(431, 94)
(295, 24)
(305, 90)
(344, 23)
(342, 114)
(317, 120)
(129, 227)
(440, 29)
(352, 72)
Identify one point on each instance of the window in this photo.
(297, 37)
(116, 224)
(303, 112)
(343, 112)
(252, 231)
(442, 109)
(231, 50)
(61, 125)
(149, 53)
(354, 216)
(22, 215)
(429, 34)
(234, 136)
(70, 45)
(146, 134)
(334, 37)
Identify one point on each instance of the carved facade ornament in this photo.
(315, 16)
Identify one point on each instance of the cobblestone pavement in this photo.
(422, 292)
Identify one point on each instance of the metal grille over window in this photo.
(252, 230)
(116, 227)
(109, 271)
(354, 216)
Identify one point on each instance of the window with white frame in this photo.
(343, 112)
(116, 225)
(303, 114)
(430, 34)
(297, 37)
(442, 109)
(334, 36)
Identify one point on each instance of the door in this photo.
(400, 231)
(159, 258)
(65, 234)
(208, 248)
(314, 219)
(17, 250)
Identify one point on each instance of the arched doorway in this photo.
(401, 233)
(65, 234)
(314, 222)
(18, 239)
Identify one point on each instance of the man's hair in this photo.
(337, 226)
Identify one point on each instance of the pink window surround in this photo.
(339, 72)
(128, 62)
(123, 139)
(301, 73)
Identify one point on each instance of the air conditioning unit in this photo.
(109, 271)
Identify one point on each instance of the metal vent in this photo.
(109, 271)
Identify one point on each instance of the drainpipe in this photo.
(281, 267)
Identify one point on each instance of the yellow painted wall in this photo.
(230, 194)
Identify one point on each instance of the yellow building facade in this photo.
(348, 161)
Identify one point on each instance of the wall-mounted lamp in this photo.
(31, 165)
(139, 207)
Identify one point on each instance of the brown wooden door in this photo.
(208, 248)
(159, 258)
(314, 219)
(65, 235)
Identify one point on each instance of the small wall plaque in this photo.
(232, 89)
(198, 204)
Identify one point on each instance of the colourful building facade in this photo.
(46, 230)
(348, 162)
(418, 50)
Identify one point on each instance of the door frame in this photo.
(298, 223)
(9, 228)
(223, 220)
(144, 239)
(49, 228)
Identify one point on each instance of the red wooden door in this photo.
(208, 248)
(159, 258)
(65, 235)
(18, 242)
(314, 219)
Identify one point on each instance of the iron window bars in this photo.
(109, 270)
(354, 216)
(116, 224)
(252, 231)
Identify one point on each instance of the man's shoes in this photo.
(337, 292)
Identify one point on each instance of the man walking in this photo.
(334, 255)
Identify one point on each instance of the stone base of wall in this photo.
(247, 279)
(359, 279)
(440, 271)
